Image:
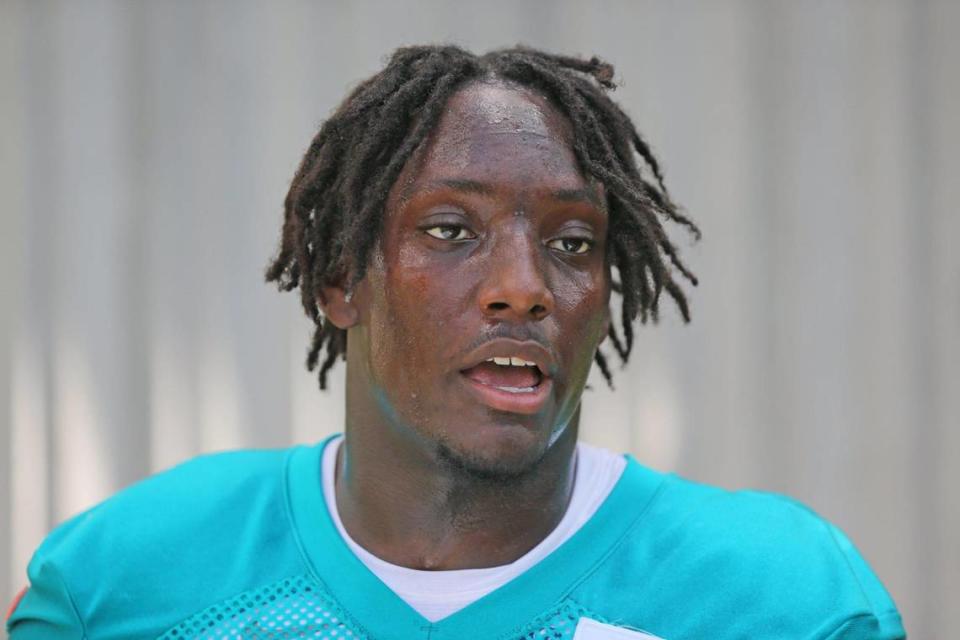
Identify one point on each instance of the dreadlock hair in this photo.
(334, 208)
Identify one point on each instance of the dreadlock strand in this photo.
(387, 130)
(334, 348)
(604, 367)
(617, 343)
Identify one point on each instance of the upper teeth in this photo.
(511, 362)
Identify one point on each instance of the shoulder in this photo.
(204, 495)
(749, 560)
(172, 542)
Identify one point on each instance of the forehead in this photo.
(502, 134)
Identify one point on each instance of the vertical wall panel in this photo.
(11, 261)
(934, 301)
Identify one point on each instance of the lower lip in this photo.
(525, 402)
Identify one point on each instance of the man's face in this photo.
(493, 246)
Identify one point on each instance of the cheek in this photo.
(420, 326)
(583, 314)
(433, 289)
(424, 294)
(419, 312)
(584, 302)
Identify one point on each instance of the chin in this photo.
(502, 453)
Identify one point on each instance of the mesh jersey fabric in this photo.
(241, 545)
(438, 594)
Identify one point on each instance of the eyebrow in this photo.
(458, 184)
(481, 188)
(576, 195)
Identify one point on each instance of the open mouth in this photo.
(509, 384)
(513, 375)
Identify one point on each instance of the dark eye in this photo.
(450, 232)
(571, 245)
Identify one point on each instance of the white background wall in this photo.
(145, 149)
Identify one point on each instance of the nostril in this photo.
(498, 306)
(538, 311)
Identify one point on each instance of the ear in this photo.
(339, 307)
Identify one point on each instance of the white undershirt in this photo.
(437, 594)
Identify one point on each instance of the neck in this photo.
(403, 504)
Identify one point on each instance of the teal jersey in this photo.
(241, 545)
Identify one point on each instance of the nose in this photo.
(515, 287)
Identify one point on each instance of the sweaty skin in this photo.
(490, 232)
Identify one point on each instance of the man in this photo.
(453, 230)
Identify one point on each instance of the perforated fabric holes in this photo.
(558, 625)
(300, 607)
(293, 608)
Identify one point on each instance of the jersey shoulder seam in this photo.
(73, 604)
(834, 631)
(617, 544)
(853, 571)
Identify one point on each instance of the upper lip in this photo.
(506, 347)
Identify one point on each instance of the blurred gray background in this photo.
(145, 149)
